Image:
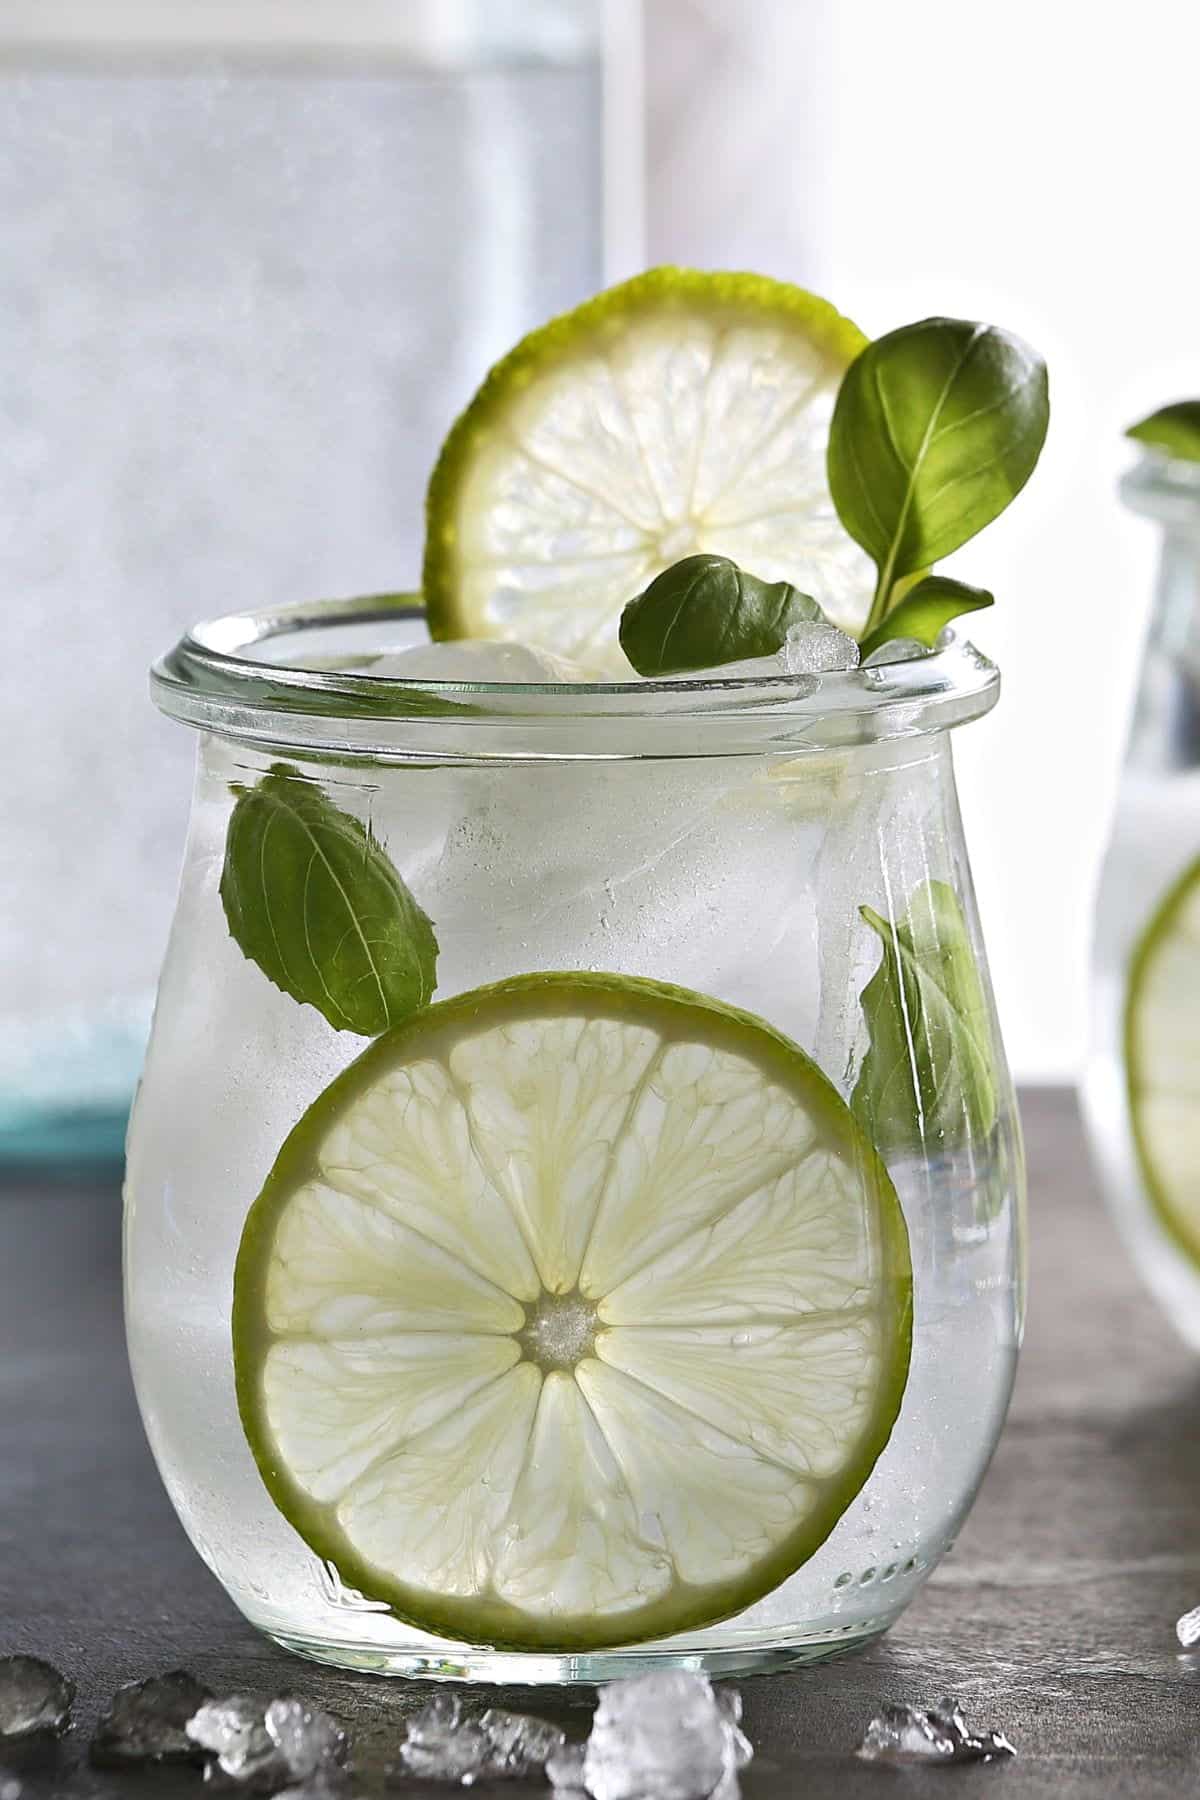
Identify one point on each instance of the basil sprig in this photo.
(924, 610)
(937, 426)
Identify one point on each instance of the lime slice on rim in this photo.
(1162, 1059)
(575, 1312)
(680, 411)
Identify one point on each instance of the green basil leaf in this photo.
(925, 610)
(1174, 429)
(311, 897)
(704, 612)
(936, 427)
(927, 1079)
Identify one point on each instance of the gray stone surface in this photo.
(1053, 1619)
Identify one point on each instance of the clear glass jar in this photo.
(718, 835)
(1153, 842)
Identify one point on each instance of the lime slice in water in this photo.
(574, 1313)
(1162, 1059)
(681, 411)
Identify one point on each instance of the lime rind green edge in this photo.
(1158, 928)
(550, 345)
(496, 1624)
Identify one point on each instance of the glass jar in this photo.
(718, 835)
(1141, 1094)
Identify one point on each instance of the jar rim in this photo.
(212, 679)
(1163, 487)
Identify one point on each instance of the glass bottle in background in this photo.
(1142, 1088)
(247, 288)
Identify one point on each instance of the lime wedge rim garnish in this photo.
(654, 1483)
(578, 472)
(1151, 1136)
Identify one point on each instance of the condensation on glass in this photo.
(721, 838)
(248, 285)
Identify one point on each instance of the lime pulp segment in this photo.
(680, 411)
(574, 1313)
(1162, 1059)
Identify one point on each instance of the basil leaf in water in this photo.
(310, 896)
(927, 1080)
(936, 427)
(705, 611)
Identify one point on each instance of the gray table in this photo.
(1053, 1618)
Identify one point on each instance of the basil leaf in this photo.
(925, 610)
(1174, 429)
(927, 1079)
(311, 897)
(936, 427)
(704, 612)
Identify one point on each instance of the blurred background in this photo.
(259, 252)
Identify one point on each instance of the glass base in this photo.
(526, 1669)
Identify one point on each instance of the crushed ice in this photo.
(442, 1745)
(146, 1721)
(896, 650)
(35, 1699)
(903, 1734)
(1187, 1629)
(818, 649)
(269, 1747)
(663, 1736)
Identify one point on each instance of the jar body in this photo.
(739, 876)
(1154, 841)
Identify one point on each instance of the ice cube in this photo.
(146, 1721)
(565, 1768)
(309, 1741)
(519, 1743)
(443, 1746)
(729, 1705)
(896, 650)
(663, 1736)
(903, 1734)
(818, 649)
(234, 1730)
(478, 659)
(1187, 1629)
(34, 1698)
(671, 868)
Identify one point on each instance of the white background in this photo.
(1035, 165)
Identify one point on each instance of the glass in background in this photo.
(1142, 1087)
(256, 259)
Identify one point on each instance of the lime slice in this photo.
(681, 411)
(575, 1312)
(1162, 1059)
